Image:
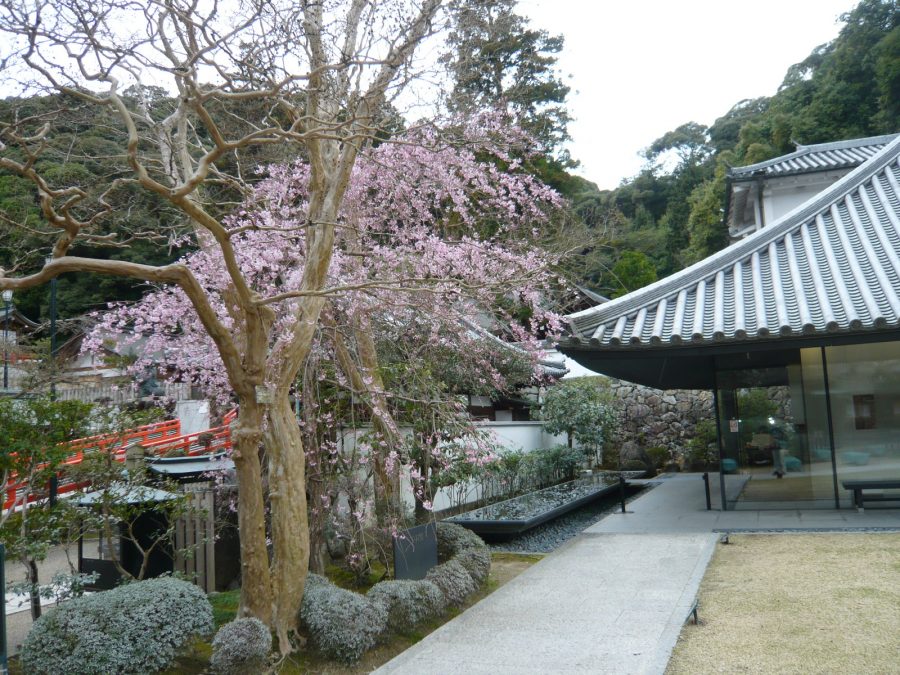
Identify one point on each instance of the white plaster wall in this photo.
(525, 436)
(776, 203)
(783, 195)
(509, 437)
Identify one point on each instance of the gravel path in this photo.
(551, 535)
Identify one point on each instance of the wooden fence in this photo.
(195, 538)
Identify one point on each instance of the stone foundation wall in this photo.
(648, 417)
(651, 417)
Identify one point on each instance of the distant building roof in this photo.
(831, 265)
(812, 158)
(16, 319)
(190, 466)
(121, 493)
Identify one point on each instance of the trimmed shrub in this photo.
(659, 456)
(241, 646)
(454, 581)
(408, 603)
(634, 465)
(453, 539)
(477, 562)
(137, 628)
(340, 623)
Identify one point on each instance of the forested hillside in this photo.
(671, 214)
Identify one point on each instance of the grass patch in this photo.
(796, 603)
(225, 606)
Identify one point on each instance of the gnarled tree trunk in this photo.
(256, 582)
(290, 526)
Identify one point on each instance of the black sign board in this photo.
(415, 552)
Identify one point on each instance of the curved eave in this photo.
(725, 345)
(693, 365)
(772, 281)
(815, 158)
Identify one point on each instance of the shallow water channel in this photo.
(519, 514)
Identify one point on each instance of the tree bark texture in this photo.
(290, 526)
(257, 597)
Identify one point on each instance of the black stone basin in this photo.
(514, 516)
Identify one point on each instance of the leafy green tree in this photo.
(887, 76)
(633, 270)
(706, 224)
(85, 151)
(847, 88)
(36, 433)
(834, 93)
(581, 409)
(689, 143)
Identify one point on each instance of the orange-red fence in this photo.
(212, 440)
(159, 438)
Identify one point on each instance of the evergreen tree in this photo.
(496, 58)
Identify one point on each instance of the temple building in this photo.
(794, 327)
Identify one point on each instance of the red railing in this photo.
(159, 438)
(117, 443)
(213, 440)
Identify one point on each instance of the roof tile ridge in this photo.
(742, 249)
(803, 150)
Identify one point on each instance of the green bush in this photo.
(560, 462)
(634, 465)
(701, 449)
(137, 628)
(582, 409)
(659, 456)
(453, 580)
(408, 603)
(241, 646)
(343, 624)
(340, 623)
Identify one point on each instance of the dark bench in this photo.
(858, 486)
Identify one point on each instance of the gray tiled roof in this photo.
(811, 158)
(832, 264)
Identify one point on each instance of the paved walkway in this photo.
(678, 504)
(602, 604)
(614, 599)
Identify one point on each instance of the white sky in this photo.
(640, 68)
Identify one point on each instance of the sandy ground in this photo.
(797, 603)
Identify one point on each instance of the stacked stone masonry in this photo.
(648, 417)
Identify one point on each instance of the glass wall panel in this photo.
(865, 402)
(766, 420)
(814, 421)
